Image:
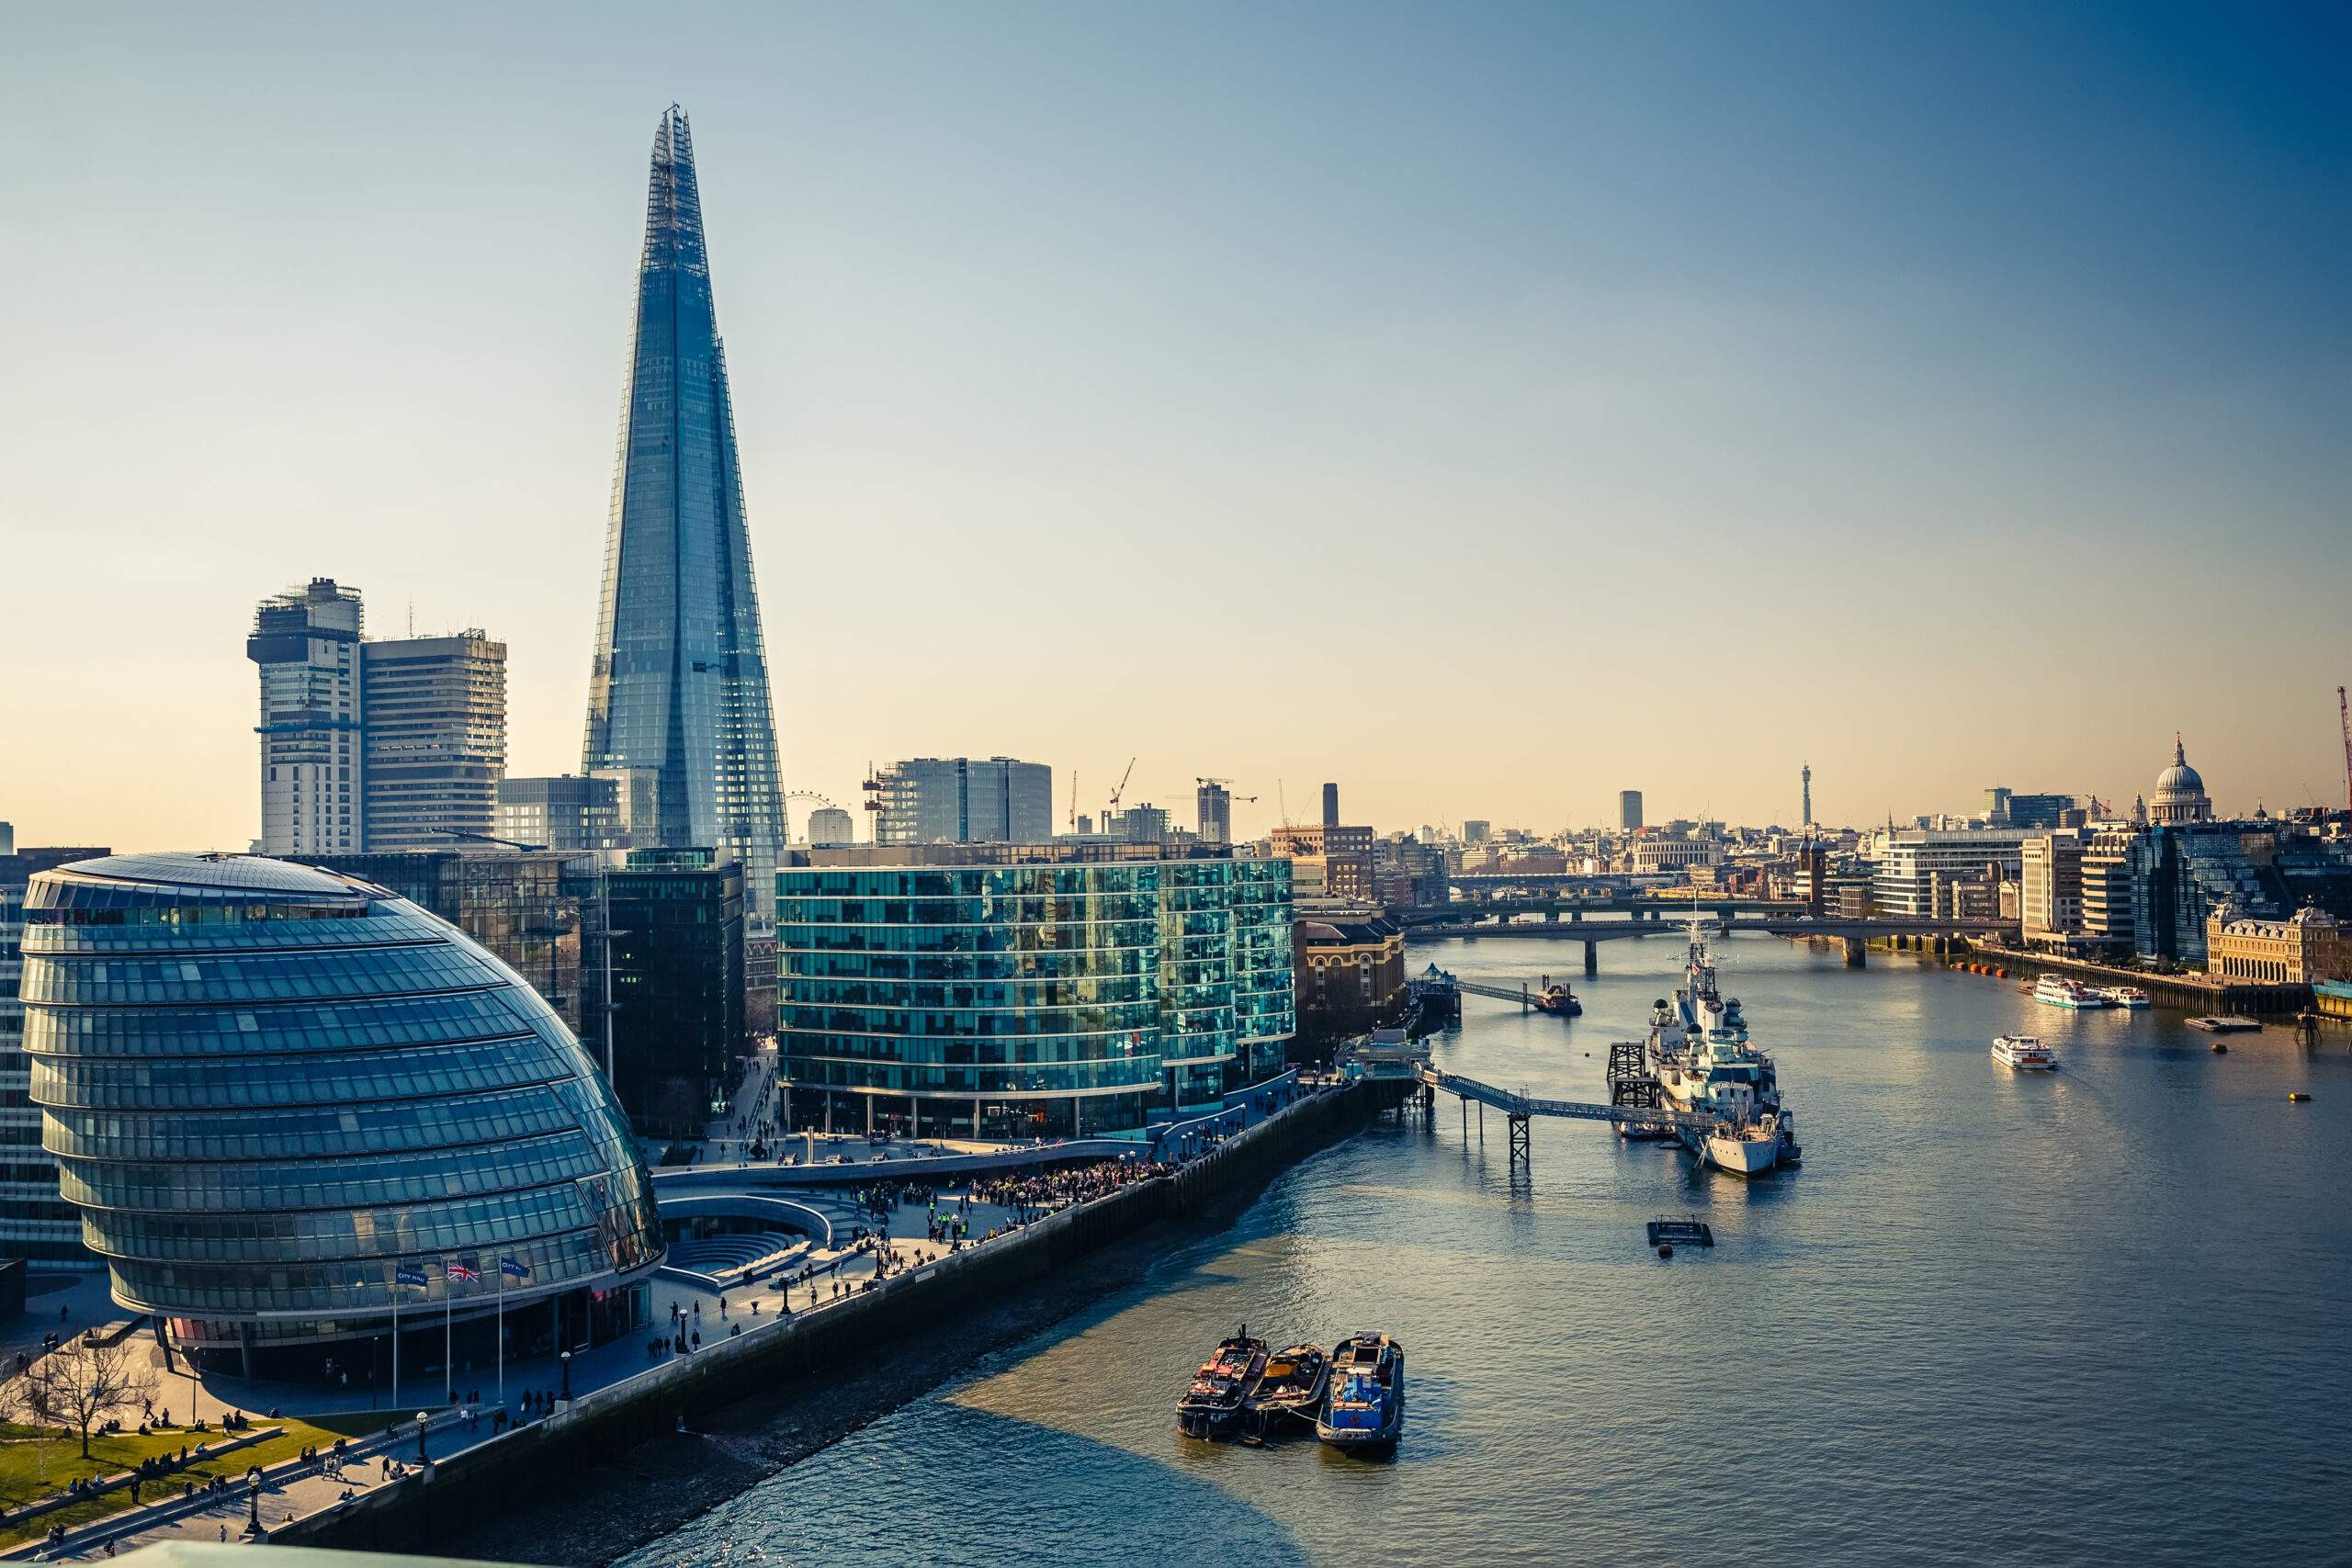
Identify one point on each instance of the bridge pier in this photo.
(1591, 957)
(1854, 951)
(1518, 1154)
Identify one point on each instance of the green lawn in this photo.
(21, 1480)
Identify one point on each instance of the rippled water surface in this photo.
(2093, 1316)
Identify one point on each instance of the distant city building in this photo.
(680, 974)
(2307, 946)
(1476, 830)
(637, 802)
(1335, 862)
(36, 1221)
(333, 1090)
(371, 746)
(2006, 808)
(1629, 811)
(1331, 806)
(570, 814)
(831, 825)
(2051, 884)
(2180, 792)
(1671, 851)
(678, 683)
(2106, 889)
(1808, 795)
(1144, 824)
(1154, 984)
(2182, 871)
(964, 800)
(1214, 812)
(1909, 859)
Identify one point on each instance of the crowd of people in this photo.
(1032, 1196)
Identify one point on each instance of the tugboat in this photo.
(1212, 1406)
(1366, 1407)
(1295, 1383)
(1557, 1000)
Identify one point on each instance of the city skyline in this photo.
(1976, 453)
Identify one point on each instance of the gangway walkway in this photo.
(1518, 1107)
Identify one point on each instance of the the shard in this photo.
(680, 680)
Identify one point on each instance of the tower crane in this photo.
(1227, 783)
(2343, 712)
(1073, 800)
(1123, 784)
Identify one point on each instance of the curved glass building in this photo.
(275, 1094)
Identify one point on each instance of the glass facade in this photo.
(268, 1087)
(679, 681)
(1041, 997)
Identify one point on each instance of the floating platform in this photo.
(1680, 1233)
(2231, 1025)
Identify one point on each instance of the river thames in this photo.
(2091, 1316)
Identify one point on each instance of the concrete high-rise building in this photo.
(831, 825)
(964, 800)
(1629, 810)
(306, 641)
(1331, 806)
(372, 746)
(679, 681)
(434, 727)
(1214, 807)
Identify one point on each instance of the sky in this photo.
(1487, 407)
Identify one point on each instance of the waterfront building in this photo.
(831, 825)
(2107, 887)
(2180, 792)
(571, 814)
(1629, 811)
(36, 1222)
(681, 993)
(1351, 966)
(2051, 885)
(678, 683)
(272, 1091)
(1670, 850)
(306, 642)
(1213, 808)
(1908, 859)
(1049, 990)
(2182, 871)
(965, 800)
(2306, 947)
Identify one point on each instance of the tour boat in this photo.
(1700, 1054)
(2022, 1052)
(1293, 1385)
(1212, 1406)
(2124, 996)
(1365, 1407)
(2059, 991)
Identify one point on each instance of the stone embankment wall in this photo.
(2193, 993)
(481, 1482)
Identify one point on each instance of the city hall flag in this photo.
(465, 1271)
(515, 1267)
(409, 1277)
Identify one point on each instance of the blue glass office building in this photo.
(679, 681)
(1024, 994)
(269, 1087)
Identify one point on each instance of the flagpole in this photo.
(502, 1334)
(448, 1362)
(396, 1334)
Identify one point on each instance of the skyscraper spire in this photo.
(679, 683)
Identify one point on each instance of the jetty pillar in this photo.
(1854, 952)
(1591, 957)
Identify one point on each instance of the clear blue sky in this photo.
(1490, 407)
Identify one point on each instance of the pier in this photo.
(1519, 1109)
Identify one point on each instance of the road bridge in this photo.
(1854, 934)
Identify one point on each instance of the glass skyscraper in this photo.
(679, 683)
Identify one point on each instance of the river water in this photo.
(2093, 1316)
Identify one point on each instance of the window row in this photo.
(180, 1032)
(326, 1184)
(283, 1134)
(377, 1076)
(323, 1235)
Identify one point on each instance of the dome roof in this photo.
(244, 872)
(2180, 778)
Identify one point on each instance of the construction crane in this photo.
(1227, 784)
(2343, 712)
(1073, 800)
(1120, 791)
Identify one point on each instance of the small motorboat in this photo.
(1365, 1407)
(2124, 996)
(1293, 1385)
(2024, 1053)
(1212, 1407)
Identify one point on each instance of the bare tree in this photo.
(81, 1383)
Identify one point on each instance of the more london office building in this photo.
(288, 1103)
(1056, 989)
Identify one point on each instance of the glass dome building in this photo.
(280, 1098)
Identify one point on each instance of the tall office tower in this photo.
(1629, 810)
(1331, 806)
(1215, 806)
(679, 681)
(1808, 795)
(964, 800)
(307, 642)
(433, 721)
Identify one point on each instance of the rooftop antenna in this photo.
(411, 617)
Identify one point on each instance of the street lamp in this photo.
(566, 1360)
(252, 1517)
(420, 1419)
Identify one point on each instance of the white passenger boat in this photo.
(2059, 991)
(2022, 1052)
(2124, 996)
(1700, 1054)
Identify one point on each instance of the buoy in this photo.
(2298, 1098)
(1664, 1250)
(2220, 1049)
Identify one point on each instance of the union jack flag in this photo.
(465, 1271)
